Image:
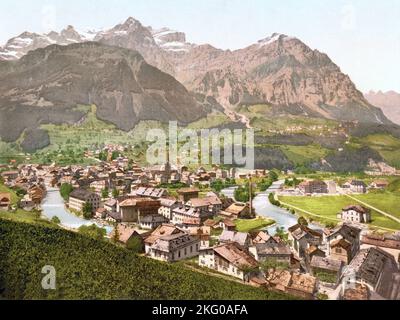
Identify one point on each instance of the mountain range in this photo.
(133, 73)
(388, 101)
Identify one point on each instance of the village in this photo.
(171, 214)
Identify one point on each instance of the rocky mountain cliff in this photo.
(279, 71)
(389, 102)
(46, 85)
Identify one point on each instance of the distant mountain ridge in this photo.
(388, 101)
(279, 70)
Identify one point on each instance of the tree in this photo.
(104, 193)
(65, 190)
(271, 198)
(114, 155)
(93, 231)
(302, 221)
(115, 193)
(87, 211)
(56, 220)
(273, 175)
(115, 237)
(242, 194)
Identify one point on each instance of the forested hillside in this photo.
(90, 269)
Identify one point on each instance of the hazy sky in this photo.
(361, 36)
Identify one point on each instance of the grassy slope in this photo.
(259, 223)
(301, 155)
(329, 206)
(14, 197)
(89, 269)
(387, 146)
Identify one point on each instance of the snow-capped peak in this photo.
(273, 38)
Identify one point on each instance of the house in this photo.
(163, 230)
(229, 258)
(262, 237)
(151, 221)
(314, 251)
(379, 184)
(326, 269)
(313, 186)
(111, 205)
(376, 269)
(189, 217)
(185, 194)
(9, 176)
(387, 242)
(355, 186)
(203, 234)
(79, 197)
(167, 206)
(359, 292)
(278, 252)
(212, 223)
(175, 247)
(113, 217)
(301, 285)
(302, 237)
(126, 234)
(5, 201)
(241, 238)
(37, 194)
(343, 243)
(236, 211)
(227, 224)
(131, 208)
(101, 213)
(355, 214)
(208, 204)
(99, 185)
(27, 203)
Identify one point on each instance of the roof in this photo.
(188, 190)
(160, 231)
(234, 236)
(174, 242)
(82, 194)
(125, 232)
(114, 215)
(150, 192)
(357, 208)
(111, 203)
(236, 208)
(210, 222)
(286, 279)
(343, 243)
(165, 202)
(204, 202)
(299, 231)
(384, 241)
(348, 232)
(229, 223)
(236, 255)
(272, 249)
(5, 195)
(360, 292)
(370, 264)
(326, 263)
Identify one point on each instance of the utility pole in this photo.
(251, 195)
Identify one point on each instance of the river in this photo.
(263, 207)
(53, 205)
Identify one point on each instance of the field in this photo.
(386, 145)
(98, 270)
(386, 201)
(243, 225)
(328, 207)
(302, 155)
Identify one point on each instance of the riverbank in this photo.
(53, 206)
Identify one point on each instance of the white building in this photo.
(355, 214)
(79, 197)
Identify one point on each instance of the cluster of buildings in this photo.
(319, 187)
(191, 225)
